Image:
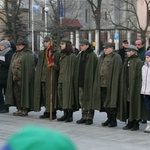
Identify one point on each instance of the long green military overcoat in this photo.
(27, 82)
(37, 90)
(90, 68)
(113, 83)
(68, 95)
(137, 108)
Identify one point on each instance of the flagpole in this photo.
(61, 11)
(51, 87)
(32, 17)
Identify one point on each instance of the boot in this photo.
(128, 126)
(147, 130)
(81, 121)
(4, 109)
(54, 116)
(113, 122)
(70, 116)
(64, 117)
(143, 121)
(18, 112)
(135, 125)
(107, 121)
(24, 112)
(45, 115)
(89, 122)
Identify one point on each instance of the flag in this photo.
(61, 9)
(36, 8)
(50, 54)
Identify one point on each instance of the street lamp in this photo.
(46, 9)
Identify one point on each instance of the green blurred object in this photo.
(39, 138)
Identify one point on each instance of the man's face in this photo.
(125, 45)
(19, 47)
(62, 45)
(84, 47)
(108, 50)
(131, 53)
(46, 43)
(138, 44)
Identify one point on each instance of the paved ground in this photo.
(93, 137)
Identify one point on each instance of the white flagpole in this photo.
(32, 17)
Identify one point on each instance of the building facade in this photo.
(115, 20)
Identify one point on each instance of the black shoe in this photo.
(106, 123)
(128, 126)
(70, 116)
(4, 111)
(54, 117)
(69, 119)
(112, 124)
(45, 115)
(143, 121)
(135, 126)
(89, 122)
(64, 117)
(81, 121)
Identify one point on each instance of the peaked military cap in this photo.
(85, 42)
(47, 38)
(131, 47)
(65, 40)
(21, 41)
(108, 44)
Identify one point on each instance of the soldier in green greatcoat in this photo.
(106, 84)
(131, 106)
(43, 81)
(66, 97)
(85, 68)
(20, 82)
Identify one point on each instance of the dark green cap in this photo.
(21, 41)
(47, 38)
(65, 40)
(109, 44)
(85, 42)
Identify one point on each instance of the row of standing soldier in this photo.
(83, 81)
